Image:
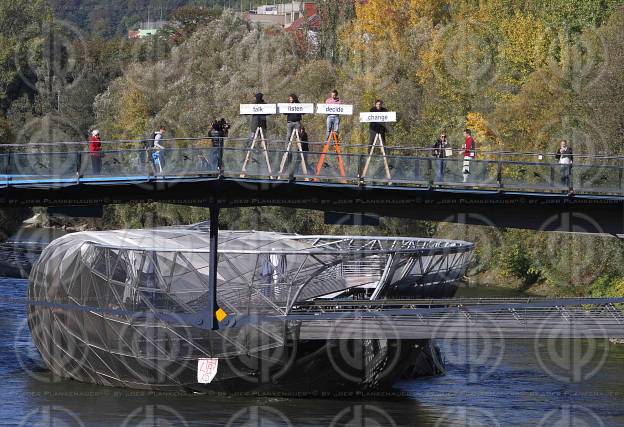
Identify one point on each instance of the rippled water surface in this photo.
(520, 383)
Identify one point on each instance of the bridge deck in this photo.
(490, 319)
(58, 165)
(499, 318)
(500, 190)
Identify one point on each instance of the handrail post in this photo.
(360, 169)
(291, 166)
(7, 170)
(430, 171)
(499, 173)
(570, 179)
(220, 159)
(213, 264)
(620, 176)
(78, 164)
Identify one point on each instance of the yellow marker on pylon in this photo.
(220, 314)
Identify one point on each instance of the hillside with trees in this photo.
(522, 74)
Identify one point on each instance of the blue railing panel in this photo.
(48, 164)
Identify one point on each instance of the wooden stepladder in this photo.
(333, 138)
(294, 142)
(378, 142)
(258, 138)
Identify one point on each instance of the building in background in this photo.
(146, 29)
(283, 15)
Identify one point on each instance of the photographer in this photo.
(218, 132)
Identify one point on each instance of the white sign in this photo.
(335, 109)
(206, 370)
(294, 108)
(247, 109)
(381, 117)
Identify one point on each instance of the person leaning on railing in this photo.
(564, 157)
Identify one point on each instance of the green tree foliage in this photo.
(21, 24)
(205, 78)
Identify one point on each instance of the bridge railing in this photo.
(198, 158)
(276, 144)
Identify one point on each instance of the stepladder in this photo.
(257, 139)
(332, 141)
(293, 148)
(377, 143)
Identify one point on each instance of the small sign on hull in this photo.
(207, 370)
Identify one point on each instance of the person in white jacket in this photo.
(156, 155)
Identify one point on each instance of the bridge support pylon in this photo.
(212, 269)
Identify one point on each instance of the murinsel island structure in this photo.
(132, 275)
(143, 293)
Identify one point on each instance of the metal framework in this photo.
(101, 300)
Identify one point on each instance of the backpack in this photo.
(149, 143)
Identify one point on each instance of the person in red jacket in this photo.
(469, 153)
(95, 147)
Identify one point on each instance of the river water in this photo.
(496, 383)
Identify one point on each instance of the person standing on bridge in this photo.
(469, 153)
(258, 120)
(216, 134)
(333, 120)
(293, 119)
(377, 128)
(157, 154)
(441, 150)
(564, 157)
(95, 148)
(303, 135)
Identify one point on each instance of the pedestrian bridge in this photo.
(458, 318)
(503, 189)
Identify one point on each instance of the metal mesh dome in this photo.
(166, 270)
